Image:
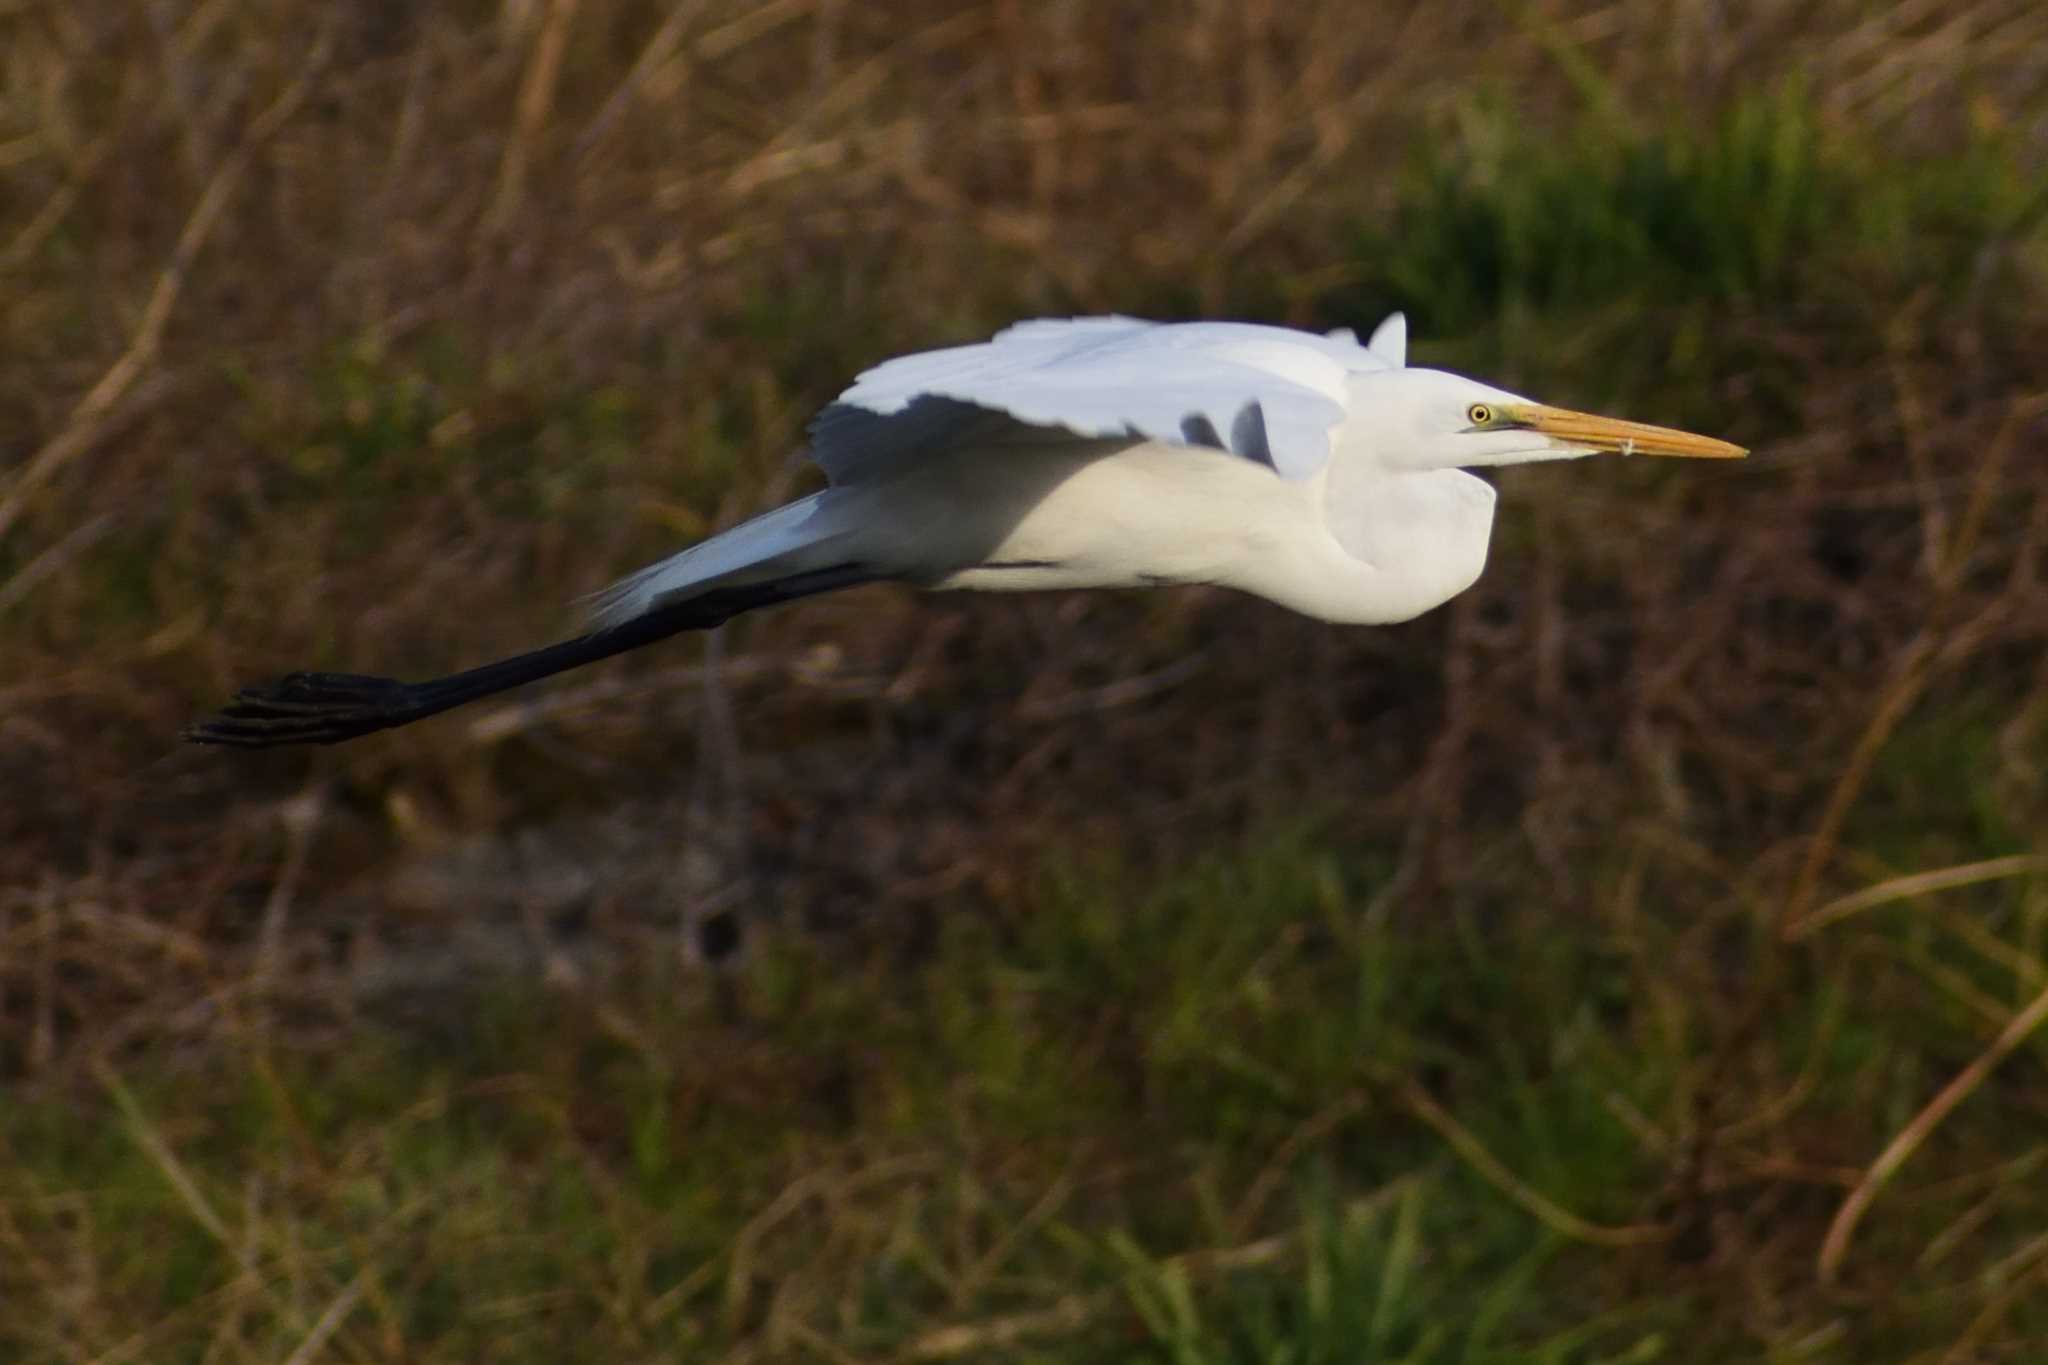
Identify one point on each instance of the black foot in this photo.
(309, 708)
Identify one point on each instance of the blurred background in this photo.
(1639, 959)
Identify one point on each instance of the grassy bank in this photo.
(1242, 1113)
(1640, 959)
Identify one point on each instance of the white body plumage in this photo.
(1311, 470)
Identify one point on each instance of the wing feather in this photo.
(1278, 392)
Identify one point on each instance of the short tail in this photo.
(791, 539)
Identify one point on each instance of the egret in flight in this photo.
(1314, 471)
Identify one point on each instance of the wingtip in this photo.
(1389, 340)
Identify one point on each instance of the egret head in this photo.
(1430, 419)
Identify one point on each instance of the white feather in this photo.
(792, 538)
(1389, 341)
(1271, 394)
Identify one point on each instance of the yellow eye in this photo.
(1479, 415)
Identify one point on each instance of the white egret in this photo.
(1106, 452)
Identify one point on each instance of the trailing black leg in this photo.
(325, 708)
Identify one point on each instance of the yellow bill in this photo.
(1611, 435)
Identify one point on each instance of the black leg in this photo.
(326, 708)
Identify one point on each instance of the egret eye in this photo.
(1479, 415)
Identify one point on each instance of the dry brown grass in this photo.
(717, 212)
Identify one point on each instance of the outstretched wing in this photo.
(1269, 394)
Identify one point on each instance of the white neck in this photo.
(1419, 535)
